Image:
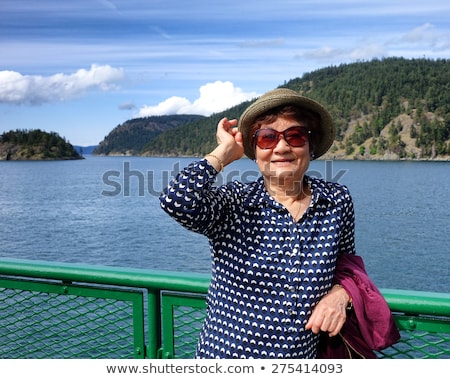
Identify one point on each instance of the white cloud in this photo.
(214, 97)
(324, 52)
(172, 105)
(268, 43)
(368, 51)
(425, 36)
(127, 106)
(35, 89)
(419, 33)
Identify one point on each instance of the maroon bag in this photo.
(370, 325)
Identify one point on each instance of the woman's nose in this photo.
(281, 144)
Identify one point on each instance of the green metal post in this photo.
(154, 324)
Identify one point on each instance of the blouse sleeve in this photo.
(192, 200)
(347, 241)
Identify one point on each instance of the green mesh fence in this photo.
(53, 310)
(431, 342)
(422, 336)
(182, 318)
(419, 345)
(60, 321)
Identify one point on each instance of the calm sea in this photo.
(105, 211)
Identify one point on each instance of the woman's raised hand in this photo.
(229, 142)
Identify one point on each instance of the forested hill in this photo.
(35, 145)
(131, 137)
(393, 108)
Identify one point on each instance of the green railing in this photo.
(57, 310)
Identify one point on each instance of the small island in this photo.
(21, 145)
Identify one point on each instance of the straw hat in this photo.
(324, 136)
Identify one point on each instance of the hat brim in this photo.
(283, 96)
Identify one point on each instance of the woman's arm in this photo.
(330, 313)
(191, 198)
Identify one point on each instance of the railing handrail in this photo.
(418, 302)
(427, 302)
(109, 275)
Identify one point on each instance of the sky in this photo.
(80, 68)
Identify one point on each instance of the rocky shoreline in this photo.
(14, 152)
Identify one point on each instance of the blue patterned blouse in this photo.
(268, 271)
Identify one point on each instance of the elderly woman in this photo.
(274, 242)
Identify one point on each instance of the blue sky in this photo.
(80, 68)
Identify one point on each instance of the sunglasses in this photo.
(295, 136)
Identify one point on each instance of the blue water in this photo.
(105, 210)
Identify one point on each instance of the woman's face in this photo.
(283, 163)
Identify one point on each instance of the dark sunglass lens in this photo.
(266, 139)
(296, 137)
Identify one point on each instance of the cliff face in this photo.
(401, 145)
